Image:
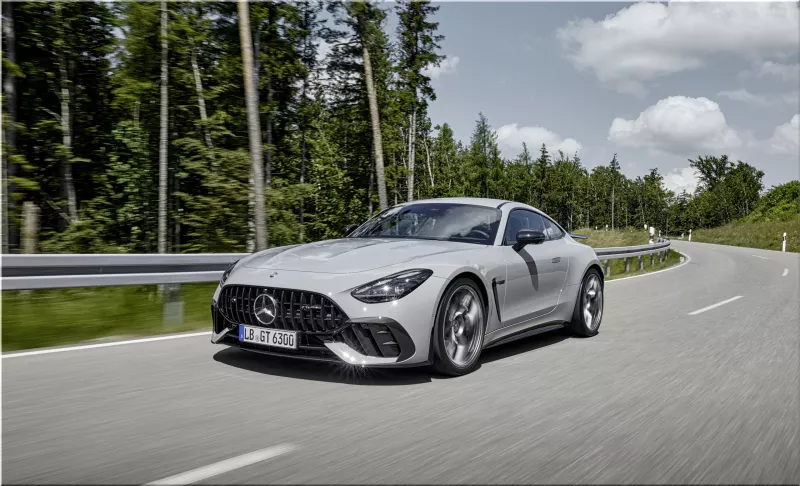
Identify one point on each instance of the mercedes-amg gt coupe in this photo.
(429, 282)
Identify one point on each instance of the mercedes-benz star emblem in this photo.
(265, 309)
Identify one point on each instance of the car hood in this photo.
(351, 255)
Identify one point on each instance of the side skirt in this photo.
(526, 333)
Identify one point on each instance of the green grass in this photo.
(608, 239)
(52, 317)
(766, 235)
(55, 317)
(627, 237)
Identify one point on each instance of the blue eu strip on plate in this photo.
(241, 333)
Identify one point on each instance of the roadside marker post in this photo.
(783, 247)
(690, 235)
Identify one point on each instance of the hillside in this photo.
(766, 235)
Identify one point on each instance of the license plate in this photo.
(268, 337)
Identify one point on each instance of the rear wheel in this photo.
(588, 313)
(459, 329)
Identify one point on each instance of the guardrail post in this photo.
(608, 267)
(652, 257)
(660, 256)
(626, 264)
(173, 305)
(641, 262)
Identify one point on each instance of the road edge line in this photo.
(81, 347)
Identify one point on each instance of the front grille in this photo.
(297, 310)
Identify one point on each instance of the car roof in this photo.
(477, 201)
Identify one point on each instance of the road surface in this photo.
(674, 389)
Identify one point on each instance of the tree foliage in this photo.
(319, 154)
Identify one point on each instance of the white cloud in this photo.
(646, 41)
(447, 66)
(763, 100)
(770, 69)
(786, 138)
(677, 125)
(680, 180)
(745, 97)
(510, 138)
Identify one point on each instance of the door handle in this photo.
(556, 260)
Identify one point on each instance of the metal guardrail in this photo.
(661, 248)
(44, 271)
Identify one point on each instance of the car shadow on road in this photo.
(321, 371)
(354, 375)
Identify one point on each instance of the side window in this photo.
(552, 231)
(521, 219)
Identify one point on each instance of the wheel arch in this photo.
(596, 266)
(477, 280)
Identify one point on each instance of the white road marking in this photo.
(227, 465)
(688, 259)
(105, 345)
(785, 272)
(699, 311)
(758, 256)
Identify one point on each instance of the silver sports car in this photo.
(431, 282)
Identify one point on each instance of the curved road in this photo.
(662, 394)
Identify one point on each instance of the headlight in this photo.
(392, 287)
(227, 273)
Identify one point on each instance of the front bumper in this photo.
(367, 342)
(351, 336)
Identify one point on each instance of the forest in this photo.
(139, 127)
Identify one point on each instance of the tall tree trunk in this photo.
(268, 158)
(267, 135)
(66, 127)
(371, 182)
(162, 146)
(412, 133)
(376, 131)
(9, 139)
(201, 99)
(303, 115)
(428, 162)
(253, 126)
(251, 205)
(612, 207)
(302, 179)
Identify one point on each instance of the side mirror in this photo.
(348, 229)
(527, 236)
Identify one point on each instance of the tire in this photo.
(463, 329)
(593, 280)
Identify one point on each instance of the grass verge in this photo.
(55, 317)
(766, 235)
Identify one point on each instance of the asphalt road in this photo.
(658, 396)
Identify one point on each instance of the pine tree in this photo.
(418, 45)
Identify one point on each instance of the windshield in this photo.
(434, 221)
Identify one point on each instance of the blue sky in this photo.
(656, 83)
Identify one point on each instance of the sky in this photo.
(656, 83)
